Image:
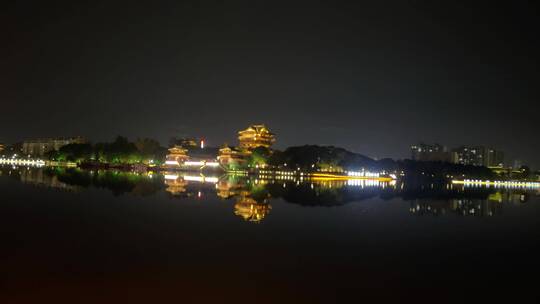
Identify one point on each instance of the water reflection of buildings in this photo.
(250, 205)
(251, 197)
(175, 185)
(189, 185)
(42, 178)
(490, 206)
(464, 207)
(251, 210)
(227, 188)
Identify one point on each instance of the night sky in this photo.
(374, 78)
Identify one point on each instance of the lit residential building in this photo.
(479, 156)
(431, 152)
(494, 158)
(40, 147)
(256, 136)
(466, 155)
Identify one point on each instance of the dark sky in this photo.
(371, 77)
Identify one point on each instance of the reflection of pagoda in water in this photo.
(185, 185)
(250, 210)
(175, 186)
(226, 188)
(251, 205)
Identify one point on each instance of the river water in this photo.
(103, 236)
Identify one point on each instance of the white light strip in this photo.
(25, 162)
(477, 182)
(193, 178)
(363, 174)
(201, 179)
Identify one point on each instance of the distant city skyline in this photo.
(433, 156)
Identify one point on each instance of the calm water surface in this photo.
(100, 237)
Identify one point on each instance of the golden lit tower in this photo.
(256, 136)
(177, 156)
(231, 156)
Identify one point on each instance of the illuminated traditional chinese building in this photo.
(231, 156)
(2, 147)
(250, 210)
(256, 136)
(177, 156)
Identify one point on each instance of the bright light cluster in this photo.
(370, 183)
(364, 183)
(22, 162)
(363, 174)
